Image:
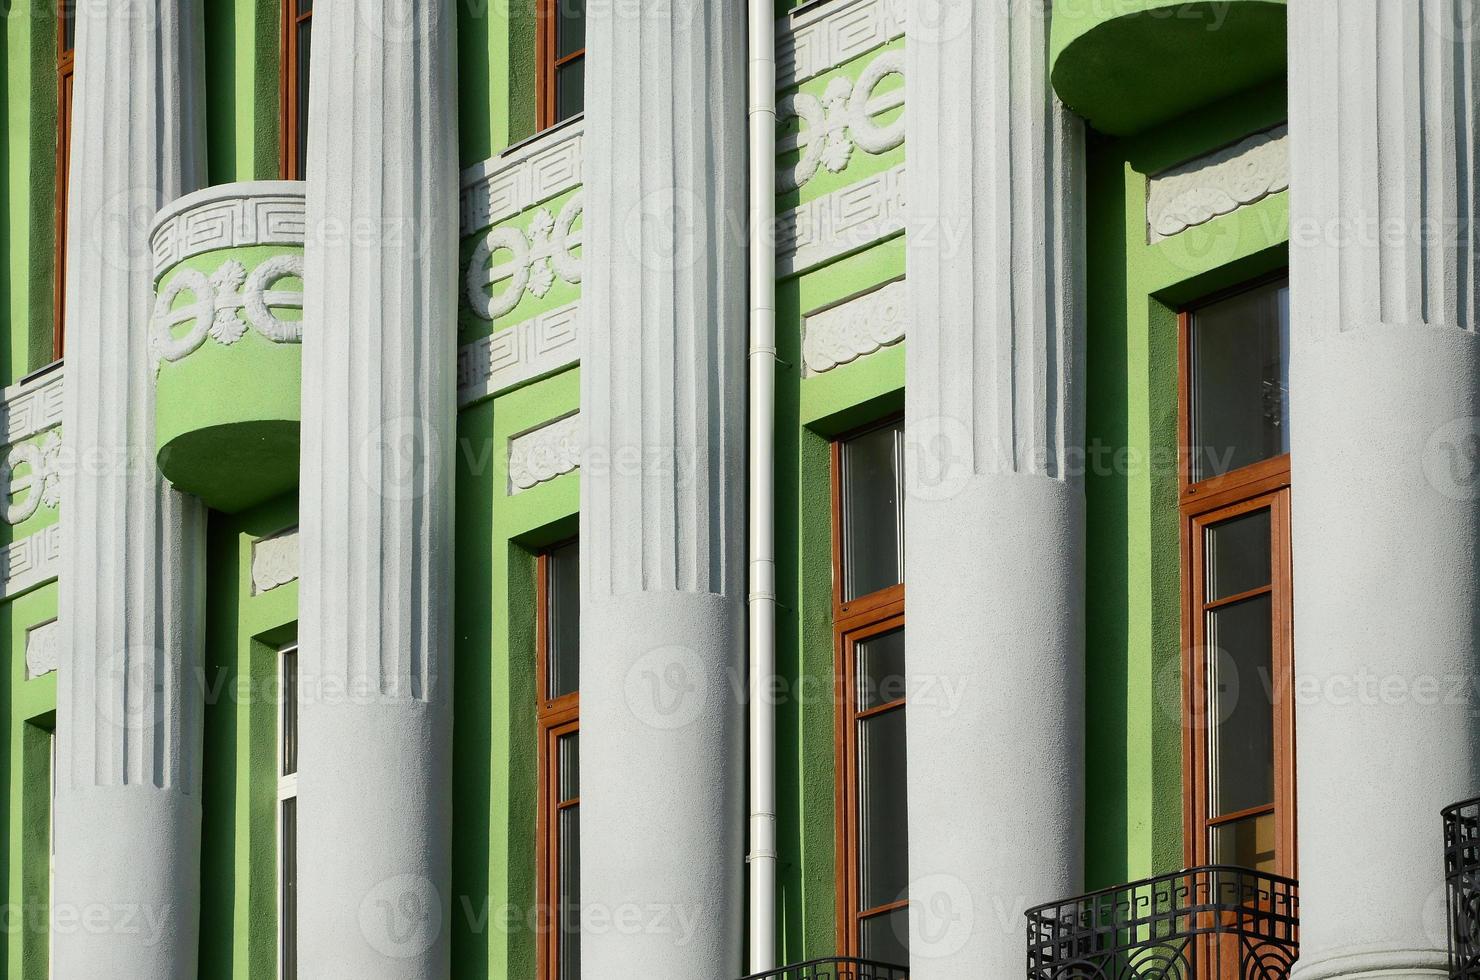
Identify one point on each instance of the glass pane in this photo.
(883, 815)
(1238, 555)
(570, 27)
(886, 938)
(1246, 843)
(68, 11)
(288, 890)
(880, 669)
(1241, 711)
(570, 894)
(1240, 380)
(563, 625)
(570, 767)
(873, 546)
(305, 7)
(570, 89)
(305, 44)
(290, 711)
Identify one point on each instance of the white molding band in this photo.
(505, 186)
(818, 39)
(855, 328)
(31, 407)
(274, 561)
(265, 212)
(517, 355)
(1219, 183)
(33, 560)
(540, 455)
(42, 644)
(851, 218)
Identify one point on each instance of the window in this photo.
(562, 60)
(557, 679)
(288, 813)
(868, 617)
(66, 56)
(296, 44)
(1235, 504)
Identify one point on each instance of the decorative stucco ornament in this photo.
(846, 116)
(543, 454)
(536, 258)
(41, 486)
(1217, 184)
(219, 301)
(853, 329)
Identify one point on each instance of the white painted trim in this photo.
(501, 187)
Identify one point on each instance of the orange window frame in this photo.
(549, 63)
(66, 64)
(555, 718)
(1202, 505)
(854, 622)
(290, 166)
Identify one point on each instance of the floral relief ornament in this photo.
(535, 259)
(41, 486)
(845, 116)
(224, 304)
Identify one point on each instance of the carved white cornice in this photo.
(540, 455)
(1216, 184)
(266, 212)
(854, 328)
(274, 561)
(516, 355)
(844, 221)
(521, 177)
(818, 38)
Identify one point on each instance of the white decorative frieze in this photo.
(224, 304)
(542, 454)
(229, 216)
(32, 407)
(854, 328)
(41, 649)
(31, 473)
(820, 38)
(535, 259)
(847, 115)
(1219, 183)
(518, 354)
(844, 221)
(30, 561)
(274, 561)
(500, 188)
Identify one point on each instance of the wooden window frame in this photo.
(854, 621)
(554, 718)
(289, 166)
(548, 65)
(1258, 486)
(66, 70)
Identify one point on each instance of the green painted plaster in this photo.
(243, 96)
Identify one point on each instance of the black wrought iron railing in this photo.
(835, 968)
(1462, 875)
(1211, 923)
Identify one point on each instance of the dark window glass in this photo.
(288, 886)
(873, 500)
(1241, 708)
(883, 816)
(570, 89)
(290, 711)
(305, 44)
(880, 670)
(68, 12)
(570, 858)
(1240, 380)
(570, 27)
(1238, 555)
(1246, 843)
(570, 767)
(886, 938)
(563, 623)
(305, 7)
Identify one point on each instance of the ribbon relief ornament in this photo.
(41, 485)
(220, 300)
(534, 261)
(845, 116)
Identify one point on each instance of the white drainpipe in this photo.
(762, 464)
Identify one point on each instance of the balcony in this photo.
(1462, 875)
(835, 968)
(1211, 923)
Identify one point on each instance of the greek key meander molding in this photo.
(1222, 182)
(225, 302)
(224, 219)
(518, 354)
(535, 259)
(817, 40)
(542, 454)
(844, 221)
(500, 188)
(844, 117)
(855, 328)
(32, 409)
(274, 561)
(41, 649)
(30, 561)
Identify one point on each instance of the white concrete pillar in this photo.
(379, 432)
(1385, 396)
(994, 567)
(663, 491)
(129, 703)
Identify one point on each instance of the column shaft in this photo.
(662, 488)
(994, 566)
(379, 431)
(1385, 396)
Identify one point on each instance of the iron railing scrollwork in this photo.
(835, 968)
(1462, 878)
(1209, 923)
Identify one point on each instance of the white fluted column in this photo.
(994, 565)
(662, 491)
(379, 431)
(1385, 394)
(129, 704)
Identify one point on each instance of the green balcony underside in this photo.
(1128, 65)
